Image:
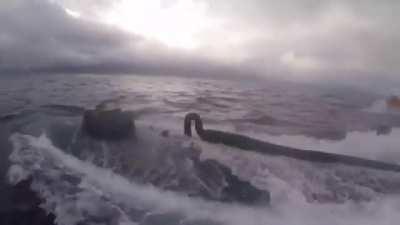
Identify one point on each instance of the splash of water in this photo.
(78, 191)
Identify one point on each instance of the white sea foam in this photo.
(362, 144)
(380, 107)
(78, 191)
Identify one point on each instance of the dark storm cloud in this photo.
(332, 40)
(38, 36)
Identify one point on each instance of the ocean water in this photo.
(89, 187)
(237, 105)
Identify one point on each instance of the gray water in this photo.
(331, 119)
(264, 107)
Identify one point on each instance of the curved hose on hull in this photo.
(251, 144)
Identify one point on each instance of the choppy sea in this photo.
(40, 118)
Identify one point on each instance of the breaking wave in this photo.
(78, 192)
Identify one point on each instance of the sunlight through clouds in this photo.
(175, 24)
(72, 13)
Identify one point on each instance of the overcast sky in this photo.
(299, 39)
